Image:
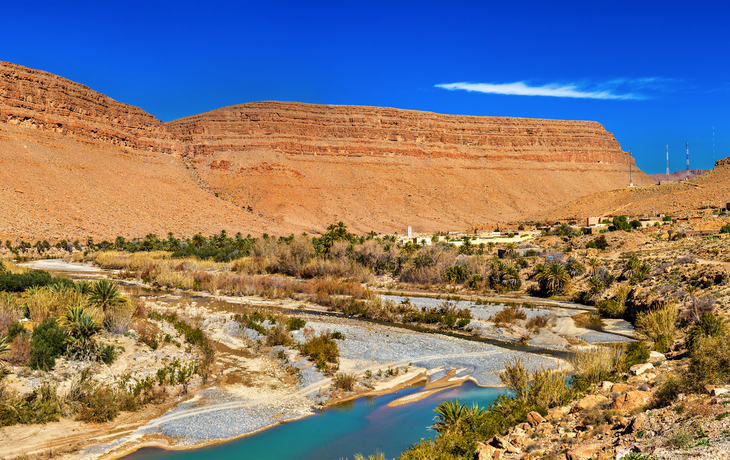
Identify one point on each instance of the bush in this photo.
(636, 353)
(48, 343)
(596, 365)
(725, 228)
(344, 381)
(12, 282)
(509, 314)
(709, 362)
(20, 350)
(515, 377)
(118, 317)
(42, 406)
(611, 308)
(657, 323)
(295, 323)
(321, 349)
(707, 326)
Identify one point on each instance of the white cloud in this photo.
(553, 90)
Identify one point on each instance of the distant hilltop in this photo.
(678, 175)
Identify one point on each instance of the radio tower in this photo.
(667, 161)
(687, 160)
(631, 181)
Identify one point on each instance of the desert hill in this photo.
(677, 176)
(382, 169)
(77, 163)
(710, 189)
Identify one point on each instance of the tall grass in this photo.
(658, 325)
(597, 364)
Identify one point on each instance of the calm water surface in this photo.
(361, 426)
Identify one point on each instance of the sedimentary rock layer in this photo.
(42, 101)
(75, 163)
(381, 168)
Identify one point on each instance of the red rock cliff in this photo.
(380, 168)
(308, 129)
(40, 100)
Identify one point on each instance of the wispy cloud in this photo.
(607, 90)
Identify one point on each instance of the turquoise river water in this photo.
(365, 425)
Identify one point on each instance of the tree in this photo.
(104, 294)
(621, 223)
(452, 416)
(80, 324)
(552, 277)
(593, 265)
(335, 232)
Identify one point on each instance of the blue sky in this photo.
(654, 73)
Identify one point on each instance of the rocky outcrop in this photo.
(42, 101)
(381, 168)
(351, 131)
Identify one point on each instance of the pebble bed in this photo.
(368, 346)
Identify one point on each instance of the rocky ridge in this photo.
(382, 168)
(80, 163)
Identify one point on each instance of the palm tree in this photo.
(198, 240)
(552, 277)
(593, 263)
(596, 285)
(80, 324)
(104, 293)
(631, 265)
(452, 415)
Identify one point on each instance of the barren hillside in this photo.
(711, 189)
(76, 163)
(382, 169)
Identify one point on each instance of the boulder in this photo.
(656, 358)
(584, 452)
(558, 413)
(714, 390)
(637, 424)
(638, 369)
(606, 386)
(485, 451)
(620, 387)
(590, 402)
(631, 400)
(534, 419)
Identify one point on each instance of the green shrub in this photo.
(708, 325)
(295, 323)
(709, 362)
(652, 325)
(15, 329)
(345, 381)
(48, 343)
(611, 308)
(19, 282)
(667, 392)
(43, 407)
(322, 349)
(636, 353)
(725, 228)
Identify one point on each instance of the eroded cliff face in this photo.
(380, 168)
(42, 101)
(75, 163)
(352, 131)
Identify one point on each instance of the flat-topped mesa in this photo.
(40, 100)
(309, 129)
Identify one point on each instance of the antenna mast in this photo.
(667, 161)
(631, 181)
(687, 160)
